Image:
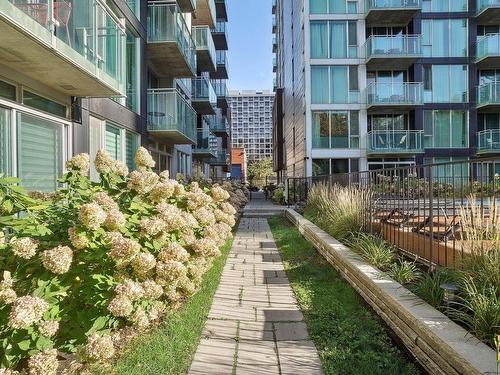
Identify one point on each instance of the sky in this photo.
(250, 45)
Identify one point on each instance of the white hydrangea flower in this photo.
(48, 328)
(103, 162)
(7, 294)
(143, 158)
(130, 289)
(173, 251)
(140, 319)
(123, 250)
(26, 311)
(92, 216)
(152, 227)
(121, 306)
(79, 240)
(205, 247)
(43, 363)
(219, 194)
(115, 220)
(170, 270)
(100, 348)
(79, 163)
(143, 263)
(152, 290)
(142, 181)
(57, 260)
(105, 201)
(24, 247)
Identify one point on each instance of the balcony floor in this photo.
(220, 41)
(203, 106)
(222, 102)
(204, 61)
(220, 73)
(391, 16)
(221, 10)
(390, 62)
(167, 60)
(489, 16)
(186, 6)
(202, 153)
(489, 62)
(202, 15)
(171, 137)
(20, 51)
(386, 108)
(488, 108)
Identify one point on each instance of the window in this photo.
(444, 5)
(132, 66)
(446, 84)
(113, 142)
(334, 166)
(131, 145)
(135, 6)
(333, 39)
(335, 129)
(7, 91)
(40, 152)
(446, 129)
(5, 142)
(444, 37)
(487, 121)
(334, 84)
(333, 6)
(43, 104)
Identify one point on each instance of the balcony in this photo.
(170, 117)
(187, 6)
(275, 65)
(219, 33)
(219, 125)
(394, 96)
(488, 142)
(203, 97)
(392, 52)
(488, 97)
(222, 92)
(391, 12)
(221, 159)
(275, 25)
(274, 6)
(205, 49)
(204, 148)
(205, 14)
(488, 51)
(222, 66)
(171, 49)
(488, 12)
(221, 9)
(275, 45)
(74, 47)
(275, 84)
(394, 142)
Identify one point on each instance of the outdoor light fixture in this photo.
(450, 293)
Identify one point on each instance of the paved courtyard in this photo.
(255, 325)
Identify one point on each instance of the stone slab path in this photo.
(255, 325)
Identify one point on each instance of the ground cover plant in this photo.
(348, 336)
(86, 269)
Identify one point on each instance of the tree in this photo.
(259, 170)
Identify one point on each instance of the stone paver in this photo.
(255, 325)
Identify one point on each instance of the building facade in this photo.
(79, 75)
(238, 164)
(378, 84)
(252, 122)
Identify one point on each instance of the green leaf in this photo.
(99, 324)
(43, 343)
(24, 345)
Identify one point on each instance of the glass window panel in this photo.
(5, 142)
(7, 91)
(458, 43)
(318, 6)
(319, 40)
(337, 6)
(353, 78)
(352, 7)
(340, 130)
(321, 130)
(131, 146)
(39, 145)
(458, 83)
(319, 85)
(340, 166)
(113, 142)
(440, 84)
(339, 84)
(354, 123)
(459, 129)
(132, 72)
(442, 129)
(338, 39)
(492, 121)
(43, 104)
(320, 167)
(440, 37)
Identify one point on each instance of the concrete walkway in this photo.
(255, 326)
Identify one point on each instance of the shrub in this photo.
(404, 272)
(342, 210)
(90, 267)
(375, 250)
(279, 195)
(429, 288)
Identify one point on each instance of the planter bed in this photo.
(439, 344)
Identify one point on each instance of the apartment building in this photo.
(382, 83)
(252, 122)
(80, 75)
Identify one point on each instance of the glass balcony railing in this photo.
(203, 40)
(488, 141)
(405, 93)
(393, 46)
(488, 45)
(219, 124)
(83, 31)
(205, 142)
(484, 4)
(220, 27)
(222, 58)
(169, 112)
(220, 86)
(392, 4)
(166, 24)
(395, 142)
(202, 90)
(488, 94)
(221, 158)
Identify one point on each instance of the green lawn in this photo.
(169, 349)
(348, 336)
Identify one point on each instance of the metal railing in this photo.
(393, 46)
(488, 141)
(395, 142)
(488, 93)
(426, 211)
(204, 41)
(483, 4)
(392, 4)
(396, 93)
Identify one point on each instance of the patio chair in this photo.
(62, 15)
(443, 227)
(399, 218)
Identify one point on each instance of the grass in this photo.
(348, 336)
(169, 349)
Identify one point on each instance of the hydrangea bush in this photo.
(86, 269)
